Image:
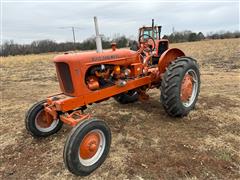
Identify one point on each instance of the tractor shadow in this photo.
(150, 109)
(149, 113)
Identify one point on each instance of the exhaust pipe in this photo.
(98, 37)
(153, 28)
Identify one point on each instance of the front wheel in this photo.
(87, 147)
(38, 124)
(180, 86)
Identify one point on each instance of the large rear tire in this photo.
(36, 122)
(87, 147)
(180, 86)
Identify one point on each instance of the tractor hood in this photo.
(90, 58)
(71, 68)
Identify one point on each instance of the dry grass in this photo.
(147, 143)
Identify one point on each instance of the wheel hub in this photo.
(89, 145)
(44, 120)
(186, 88)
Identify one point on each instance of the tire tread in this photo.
(171, 83)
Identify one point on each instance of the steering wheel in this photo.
(148, 43)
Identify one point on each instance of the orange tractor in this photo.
(126, 75)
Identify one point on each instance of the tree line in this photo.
(189, 36)
(44, 46)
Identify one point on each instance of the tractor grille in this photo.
(64, 76)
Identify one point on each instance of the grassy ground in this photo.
(147, 143)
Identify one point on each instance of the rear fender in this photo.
(168, 56)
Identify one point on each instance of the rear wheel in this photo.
(125, 98)
(38, 124)
(87, 147)
(180, 86)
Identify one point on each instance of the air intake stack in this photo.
(98, 37)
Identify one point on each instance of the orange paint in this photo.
(167, 57)
(44, 120)
(186, 88)
(89, 145)
(79, 90)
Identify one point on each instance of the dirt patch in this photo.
(218, 101)
(199, 165)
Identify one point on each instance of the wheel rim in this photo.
(92, 147)
(44, 123)
(189, 88)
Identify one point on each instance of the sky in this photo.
(26, 21)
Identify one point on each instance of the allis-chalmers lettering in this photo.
(101, 58)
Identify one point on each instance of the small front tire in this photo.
(87, 147)
(36, 121)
